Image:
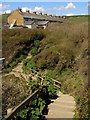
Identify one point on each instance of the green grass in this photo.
(16, 41)
(4, 18)
(78, 19)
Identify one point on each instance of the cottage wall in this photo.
(17, 16)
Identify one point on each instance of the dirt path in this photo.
(62, 107)
(18, 72)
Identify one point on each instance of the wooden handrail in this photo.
(21, 105)
(47, 76)
(56, 82)
(30, 98)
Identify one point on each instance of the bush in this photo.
(7, 70)
(37, 43)
(29, 63)
(34, 51)
(52, 89)
(13, 64)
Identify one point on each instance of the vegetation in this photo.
(4, 18)
(29, 63)
(15, 90)
(34, 51)
(78, 87)
(78, 19)
(37, 43)
(63, 55)
(36, 108)
(16, 41)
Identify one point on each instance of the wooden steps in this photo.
(62, 107)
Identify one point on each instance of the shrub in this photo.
(23, 113)
(29, 63)
(52, 89)
(34, 51)
(13, 64)
(7, 70)
(37, 43)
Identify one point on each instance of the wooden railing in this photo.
(34, 72)
(30, 98)
(21, 105)
(57, 83)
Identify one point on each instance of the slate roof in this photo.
(42, 22)
(41, 17)
(28, 22)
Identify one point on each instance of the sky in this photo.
(57, 8)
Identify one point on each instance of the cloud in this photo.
(83, 14)
(70, 6)
(70, 14)
(8, 11)
(25, 8)
(60, 8)
(4, 8)
(47, 9)
(39, 9)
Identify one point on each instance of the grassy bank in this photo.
(18, 41)
(62, 54)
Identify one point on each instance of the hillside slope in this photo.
(62, 54)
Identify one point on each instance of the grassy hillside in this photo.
(19, 93)
(76, 19)
(17, 41)
(4, 18)
(62, 54)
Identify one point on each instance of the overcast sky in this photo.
(58, 8)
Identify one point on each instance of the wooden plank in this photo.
(21, 105)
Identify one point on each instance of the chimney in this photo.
(27, 11)
(54, 15)
(19, 9)
(50, 15)
(45, 14)
(34, 12)
(40, 13)
(64, 17)
(58, 16)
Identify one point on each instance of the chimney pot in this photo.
(19, 9)
(45, 14)
(54, 15)
(27, 11)
(50, 15)
(34, 12)
(64, 17)
(40, 13)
